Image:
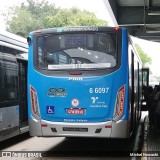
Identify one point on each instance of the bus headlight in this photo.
(119, 105)
(34, 102)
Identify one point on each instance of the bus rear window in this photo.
(77, 51)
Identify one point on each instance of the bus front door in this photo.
(23, 111)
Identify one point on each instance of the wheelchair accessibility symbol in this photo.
(50, 109)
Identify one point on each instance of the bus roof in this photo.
(76, 29)
(13, 39)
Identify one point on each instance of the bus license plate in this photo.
(75, 110)
(73, 129)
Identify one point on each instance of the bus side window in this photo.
(3, 86)
(1, 82)
(12, 81)
(8, 81)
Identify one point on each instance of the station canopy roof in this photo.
(140, 17)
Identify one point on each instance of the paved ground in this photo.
(151, 145)
(77, 148)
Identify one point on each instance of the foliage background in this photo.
(35, 15)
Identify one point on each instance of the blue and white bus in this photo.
(83, 82)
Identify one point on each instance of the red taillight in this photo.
(38, 32)
(119, 107)
(116, 28)
(75, 73)
(34, 102)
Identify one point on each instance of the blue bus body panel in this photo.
(94, 96)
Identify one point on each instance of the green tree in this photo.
(34, 15)
(74, 17)
(146, 60)
(28, 16)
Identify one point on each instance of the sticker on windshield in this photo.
(17, 109)
(79, 66)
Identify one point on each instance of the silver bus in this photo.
(13, 85)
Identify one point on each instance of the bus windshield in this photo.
(95, 50)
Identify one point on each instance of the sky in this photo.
(98, 7)
(152, 49)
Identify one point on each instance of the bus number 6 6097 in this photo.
(99, 90)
